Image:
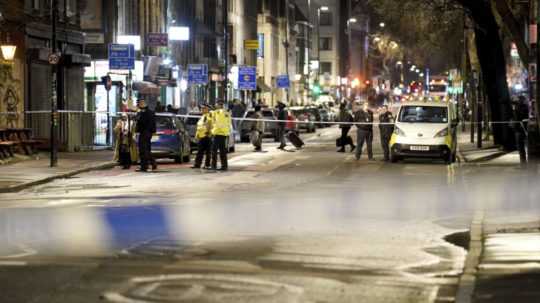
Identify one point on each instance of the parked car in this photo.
(325, 117)
(315, 112)
(306, 120)
(271, 128)
(191, 125)
(172, 139)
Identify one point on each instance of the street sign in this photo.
(260, 50)
(283, 81)
(198, 74)
(54, 58)
(251, 44)
(157, 39)
(247, 78)
(121, 56)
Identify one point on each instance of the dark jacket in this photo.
(146, 121)
(282, 116)
(386, 129)
(345, 117)
(363, 116)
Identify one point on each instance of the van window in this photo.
(423, 114)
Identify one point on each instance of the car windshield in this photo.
(424, 114)
(164, 123)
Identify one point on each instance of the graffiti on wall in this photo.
(10, 99)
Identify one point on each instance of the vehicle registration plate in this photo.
(420, 148)
(155, 138)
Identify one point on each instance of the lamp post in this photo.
(53, 60)
(349, 33)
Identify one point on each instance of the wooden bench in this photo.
(22, 137)
(6, 146)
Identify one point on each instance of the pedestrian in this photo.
(346, 119)
(282, 123)
(146, 128)
(364, 131)
(221, 130)
(238, 112)
(204, 139)
(125, 151)
(386, 128)
(521, 117)
(257, 130)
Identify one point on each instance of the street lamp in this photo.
(382, 25)
(8, 49)
(349, 32)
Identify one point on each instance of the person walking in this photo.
(221, 130)
(282, 118)
(204, 139)
(125, 151)
(257, 130)
(146, 128)
(386, 128)
(345, 117)
(521, 117)
(364, 131)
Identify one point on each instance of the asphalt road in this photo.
(297, 226)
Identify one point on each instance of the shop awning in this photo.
(146, 88)
(262, 87)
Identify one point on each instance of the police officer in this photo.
(364, 131)
(204, 138)
(146, 128)
(221, 130)
(386, 128)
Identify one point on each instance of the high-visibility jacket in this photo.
(221, 123)
(204, 127)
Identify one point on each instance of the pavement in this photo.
(27, 172)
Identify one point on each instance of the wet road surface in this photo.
(304, 226)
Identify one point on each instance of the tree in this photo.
(435, 28)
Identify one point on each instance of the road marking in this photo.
(13, 263)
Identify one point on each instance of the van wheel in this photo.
(393, 158)
(178, 160)
(449, 159)
(232, 149)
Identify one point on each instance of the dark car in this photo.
(171, 139)
(316, 114)
(271, 128)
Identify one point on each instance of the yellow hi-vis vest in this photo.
(204, 127)
(221, 123)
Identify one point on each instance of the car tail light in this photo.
(167, 132)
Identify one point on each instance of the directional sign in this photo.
(198, 74)
(121, 56)
(247, 78)
(283, 81)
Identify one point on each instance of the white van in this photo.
(425, 129)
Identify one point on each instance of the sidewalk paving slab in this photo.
(23, 174)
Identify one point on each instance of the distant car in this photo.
(171, 139)
(271, 128)
(191, 125)
(306, 120)
(325, 117)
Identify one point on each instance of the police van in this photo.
(425, 130)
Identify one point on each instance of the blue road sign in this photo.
(198, 74)
(121, 56)
(283, 81)
(247, 78)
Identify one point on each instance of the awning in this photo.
(262, 87)
(146, 88)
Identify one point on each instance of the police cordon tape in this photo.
(119, 114)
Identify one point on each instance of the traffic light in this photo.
(316, 89)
